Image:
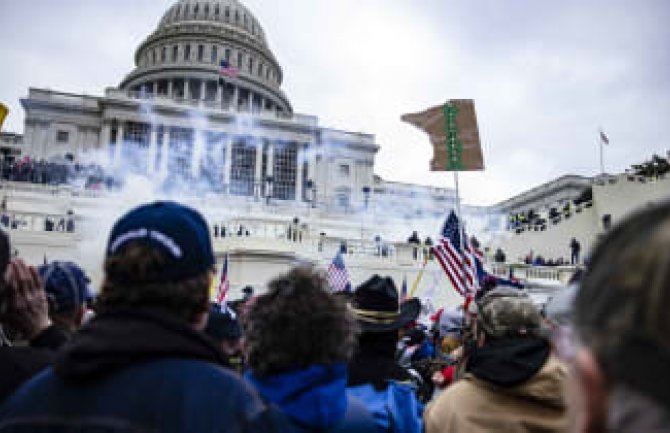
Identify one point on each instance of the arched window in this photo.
(201, 53)
(206, 10)
(217, 10)
(260, 69)
(215, 53)
(251, 65)
(196, 9)
(187, 52)
(246, 21)
(153, 56)
(237, 17)
(186, 10)
(175, 53)
(178, 11)
(267, 74)
(227, 55)
(163, 54)
(239, 60)
(227, 15)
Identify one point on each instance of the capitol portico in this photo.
(228, 142)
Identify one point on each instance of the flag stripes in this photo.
(458, 261)
(337, 275)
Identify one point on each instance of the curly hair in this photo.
(298, 323)
(128, 282)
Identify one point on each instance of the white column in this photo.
(103, 145)
(155, 88)
(227, 163)
(165, 152)
(203, 88)
(170, 89)
(235, 102)
(28, 137)
(259, 167)
(153, 146)
(199, 137)
(271, 158)
(119, 143)
(311, 162)
(187, 96)
(219, 95)
(81, 141)
(298, 173)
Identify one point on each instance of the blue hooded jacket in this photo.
(315, 398)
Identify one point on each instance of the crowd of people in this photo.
(66, 172)
(151, 352)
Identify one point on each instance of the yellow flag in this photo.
(3, 113)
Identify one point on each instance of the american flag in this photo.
(458, 263)
(224, 285)
(604, 137)
(338, 277)
(227, 70)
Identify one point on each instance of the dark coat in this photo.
(139, 370)
(18, 364)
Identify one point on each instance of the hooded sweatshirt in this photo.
(315, 399)
(512, 385)
(142, 369)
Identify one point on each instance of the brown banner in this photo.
(453, 132)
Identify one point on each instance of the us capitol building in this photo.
(229, 144)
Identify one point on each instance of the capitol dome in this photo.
(181, 58)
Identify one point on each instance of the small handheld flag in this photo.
(224, 284)
(403, 291)
(338, 277)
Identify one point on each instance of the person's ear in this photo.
(593, 391)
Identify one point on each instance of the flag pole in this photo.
(602, 164)
(460, 223)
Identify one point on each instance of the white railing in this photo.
(555, 274)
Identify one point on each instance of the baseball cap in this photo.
(507, 312)
(66, 286)
(177, 230)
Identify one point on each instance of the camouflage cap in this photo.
(507, 312)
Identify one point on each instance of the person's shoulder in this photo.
(358, 418)
(460, 392)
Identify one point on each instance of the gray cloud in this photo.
(545, 75)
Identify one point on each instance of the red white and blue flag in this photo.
(457, 261)
(224, 285)
(227, 70)
(338, 277)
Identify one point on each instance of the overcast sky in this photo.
(545, 75)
